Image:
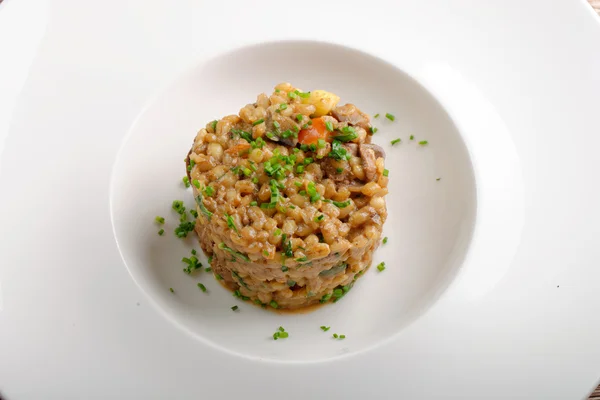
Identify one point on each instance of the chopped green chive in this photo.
(381, 266)
(338, 152)
(258, 122)
(299, 117)
(234, 308)
(373, 130)
(423, 142)
(196, 183)
(194, 213)
(385, 239)
(341, 204)
(234, 253)
(183, 229)
(178, 206)
(292, 95)
(437, 179)
(192, 264)
(376, 115)
(230, 222)
(265, 253)
(300, 169)
(348, 134)
(339, 170)
(253, 203)
(160, 220)
(329, 126)
(202, 207)
(342, 336)
(208, 269)
(171, 290)
(219, 277)
(202, 287)
(280, 334)
(291, 283)
(254, 180)
(335, 335)
(393, 142)
(161, 232)
(312, 192)
(186, 181)
(277, 232)
(325, 328)
(274, 304)
(282, 107)
(319, 218)
(284, 268)
(412, 137)
(386, 172)
(209, 191)
(194, 252)
(321, 144)
(390, 116)
(214, 125)
(304, 95)
(325, 298)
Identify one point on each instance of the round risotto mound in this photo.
(290, 196)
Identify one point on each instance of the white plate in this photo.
(491, 271)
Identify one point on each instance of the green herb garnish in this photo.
(338, 152)
(202, 287)
(258, 122)
(390, 116)
(393, 142)
(329, 126)
(386, 172)
(312, 192)
(341, 204)
(230, 222)
(160, 220)
(325, 328)
(186, 181)
(209, 191)
(381, 266)
(280, 334)
(348, 134)
(423, 142)
(385, 239)
(202, 207)
(234, 308)
(234, 253)
(171, 290)
(161, 232)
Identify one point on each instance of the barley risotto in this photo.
(290, 195)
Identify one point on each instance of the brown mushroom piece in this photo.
(351, 114)
(369, 153)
